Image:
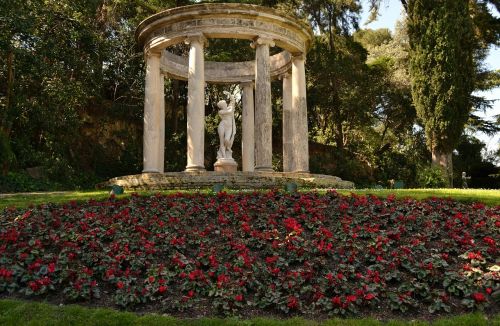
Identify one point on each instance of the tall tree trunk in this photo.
(339, 135)
(443, 160)
(4, 122)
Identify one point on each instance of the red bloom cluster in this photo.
(305, 252)
(478, 297)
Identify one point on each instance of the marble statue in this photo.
(227, 127)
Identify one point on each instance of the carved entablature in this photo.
(176, 67)
(231, 20)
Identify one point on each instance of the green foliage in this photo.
(22, 182)
(72, 78)
(359, 249)
(370, 38)
(431, 177)
(442, 68)
(7, 157)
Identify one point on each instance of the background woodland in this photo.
(381, 104)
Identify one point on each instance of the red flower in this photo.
(369, 296)
(162, 289)
(51, 268)
(196, 274)
(292, 225)
(337, 301)
(351, 298)
(5, 273)
(238, 298)
(272, 259)
(475, 255)
(478, 297)
(275, 271)
(292, 302)
(489, 290)
(151, 279)
(490, 241)
(478, 206)
(222, 278)
(213, 261)
(34, 286)
(246, 227)
(120, 285)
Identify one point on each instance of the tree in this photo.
(467, 28)
(442, 72)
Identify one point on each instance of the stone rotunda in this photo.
(263, 28)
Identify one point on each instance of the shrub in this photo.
(279, 252)
(431, 177)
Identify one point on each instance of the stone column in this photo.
(263, 109)
(248, 139)
(288, 127)
(196, 104)
(153, 104)
(299, 114)
(161, 123)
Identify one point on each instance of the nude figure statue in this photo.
(227, 127)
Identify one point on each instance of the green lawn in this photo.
(15, 312)
(488, 197)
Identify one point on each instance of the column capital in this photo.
(299, 56)
(151, 54)
(198, 37)
(285, 75)
(260, 40)
(247, 84)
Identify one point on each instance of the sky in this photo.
(391, 11)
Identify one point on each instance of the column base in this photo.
(151, 171)
(263, 169)
(195, 168)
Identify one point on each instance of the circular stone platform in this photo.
(234, 180)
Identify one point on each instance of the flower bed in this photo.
(227, 253)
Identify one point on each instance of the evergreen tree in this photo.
(442, 72)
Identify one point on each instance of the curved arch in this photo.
(176, 67)
(228, 20)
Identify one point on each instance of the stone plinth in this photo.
(226, 165)
(233, 180)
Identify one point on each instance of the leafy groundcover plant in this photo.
(256, 253)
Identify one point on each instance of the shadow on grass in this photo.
(16, 312)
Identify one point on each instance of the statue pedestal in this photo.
(226, 165)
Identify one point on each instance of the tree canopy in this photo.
(72, 79)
